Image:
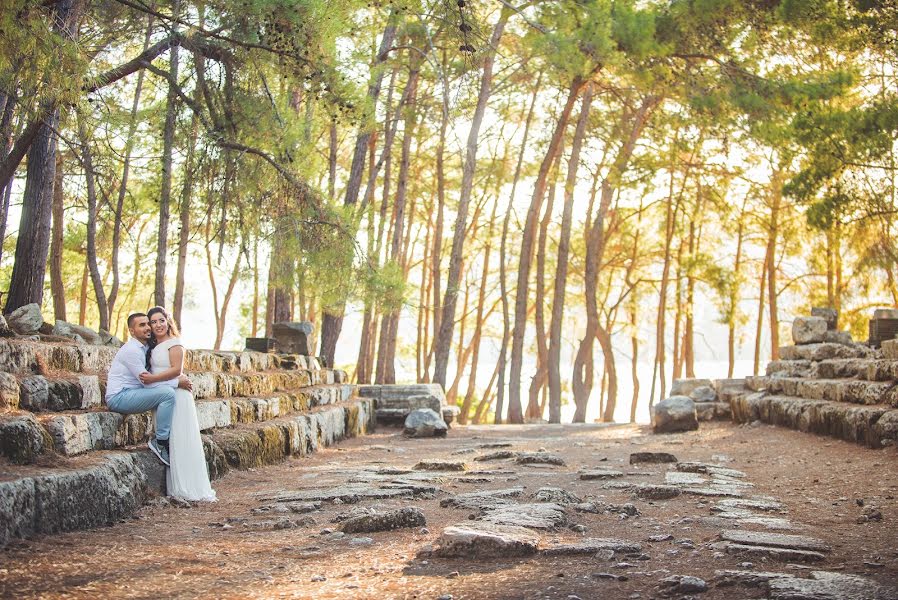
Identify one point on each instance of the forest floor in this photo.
(258, 541)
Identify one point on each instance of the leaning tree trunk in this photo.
(770, 262)
(90, 179)
(515, 413)
(447, 319)
(554, 359)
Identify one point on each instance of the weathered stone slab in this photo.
(533, 516)
(830, 315)
(678, 478)
(749, 504)
(539, 458)
(682, 584)
(293, 337)
(483, 499)
(674, 414)
(710, 469)
(823, 351)
(9, 392)
(593, 474)
(349, 494)
(838, 337)
(441, 465)
(703, 393)
(652, 457)
(777, 540)
(747, 517)
(395, 519)
(684, 387)
(22, 439)
(714, 491)
(649, 491)
(592, 546)
(818, 585)
(808, 330)
(486, 540)
(556, 495)
(498, 455)
(212, 414)
(774, 553)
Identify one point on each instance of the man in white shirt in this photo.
(127, 395)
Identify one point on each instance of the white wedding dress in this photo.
(188, 476)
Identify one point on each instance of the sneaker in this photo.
(160, 451)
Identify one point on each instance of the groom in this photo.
(127, 395)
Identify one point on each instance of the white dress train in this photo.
(188, 476)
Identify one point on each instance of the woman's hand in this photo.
(146, 378)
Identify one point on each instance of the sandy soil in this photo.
(166, 551)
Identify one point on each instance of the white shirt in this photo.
(124, 373)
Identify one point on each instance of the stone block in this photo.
(705, 411)
(5, 331)
(9, 392)
(684, 387)
(293, 337)
(34, 393)
(424, 422)
(808, 330)
(885, 313)
(838, 337)
(107, 339)
(827, 314)
(22, 439)
(26, 320)
(486, 540)
(212, 414)
(673, 414)
(91, 394)
(703, 393)
(890, 349)
(76, 434)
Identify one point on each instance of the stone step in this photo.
(25, 357)
(104, 487)
(72, 392)
(874, 426)
(853, 391)
(76, 432)
(824, 351)
(789, 368)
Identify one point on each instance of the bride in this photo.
(187, 478)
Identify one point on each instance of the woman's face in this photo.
(159, 325)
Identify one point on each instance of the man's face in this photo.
(140, 329)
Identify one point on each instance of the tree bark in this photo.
(57, 286)
(168, 143)
(554, 358)
(770, 261)
(515, 414)
(447, 319)
(90, 179)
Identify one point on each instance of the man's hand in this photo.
(184, 382)
(145, 378)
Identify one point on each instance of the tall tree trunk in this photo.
(6, 139)
(515, 414)
(770, 260)
(82, 303)
(447, 320)
(506, 320)
(582, 376)
(734, 293)
(57, 285)
(603, 335)
(90, 179)
(760, 323)
(123, 184)
(168, 144)
(554, 360)
(437, 252)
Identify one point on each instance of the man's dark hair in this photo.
(133, 316)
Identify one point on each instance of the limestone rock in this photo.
(650, 491)
(808, 330)
(34, 393)
(684, 387)
(26, 320)
(703, 393)
(652, 457)
(107, 339)
(22, 439)
(774, 553)
(673, 414)
(441, 465)
(485, 541)
(838, 337)
(395, 519)
(557, 495)
(827, 314)
(890, 349)
(9, 392)
(293, 337)
(593, 474)
(593, 546)
(777, 540)
(5, 331)
(533, 516)
(539, 458)
(425, 422)
(216, 462)
(885, 313)
(498, 455)
(482, 500)
(682, 584)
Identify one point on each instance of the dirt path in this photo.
(247, 546)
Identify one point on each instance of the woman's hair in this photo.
(172, 329)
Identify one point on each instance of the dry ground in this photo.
(167, 551)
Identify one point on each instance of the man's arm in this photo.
(134, 361)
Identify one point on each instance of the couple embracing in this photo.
(147, 374)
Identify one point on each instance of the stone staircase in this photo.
(839, 388)
(66, 462)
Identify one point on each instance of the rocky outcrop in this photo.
(674, 414)
(424, 422)
(26, 320)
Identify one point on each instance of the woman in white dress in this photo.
(188, 476)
